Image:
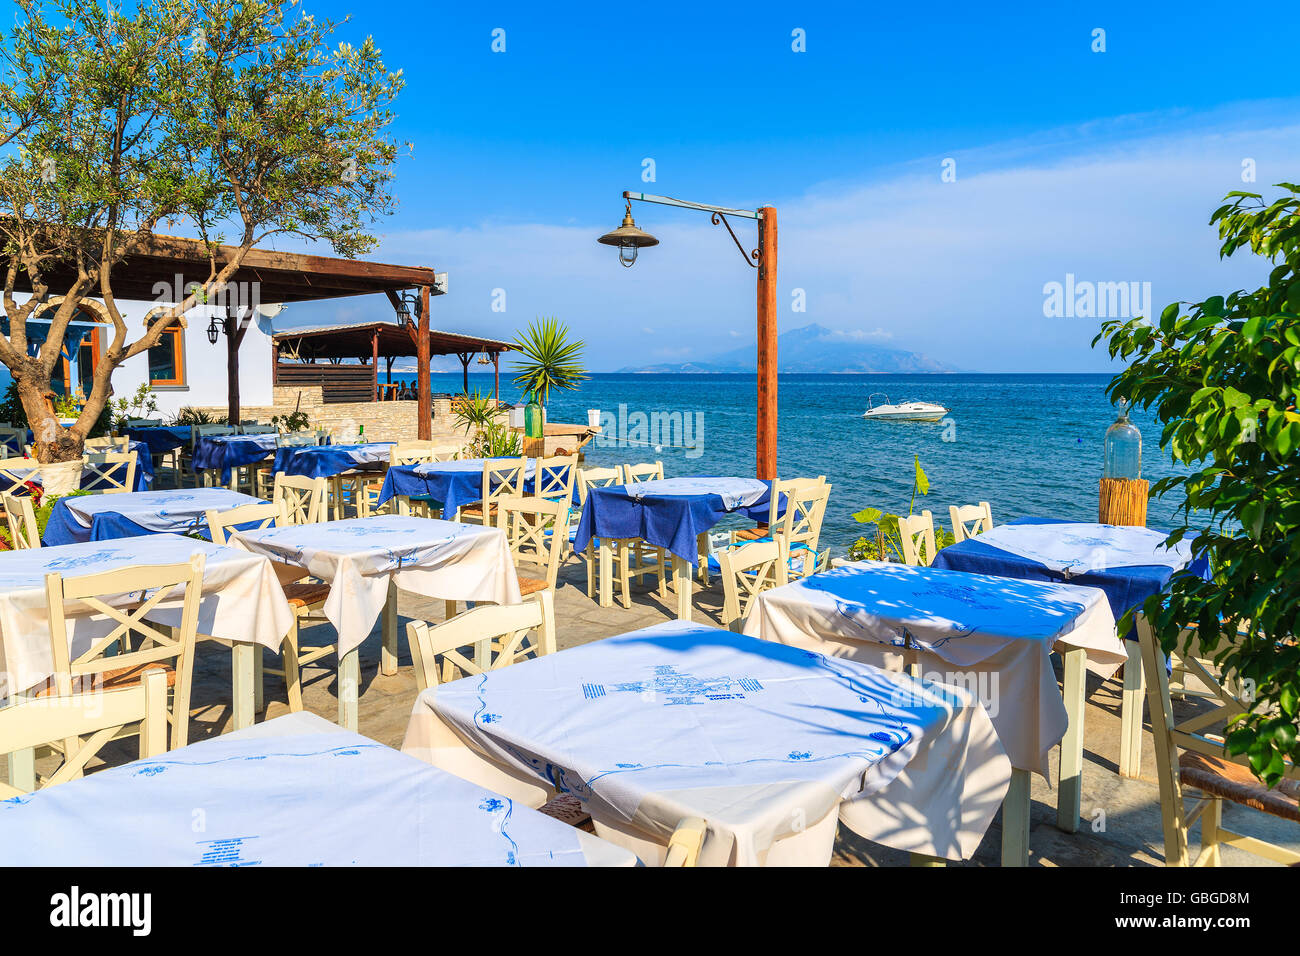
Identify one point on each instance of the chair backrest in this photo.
(303, 498)
(109, 443)
(258, 430)
(917, 537)
(746, 572)
(497, 632)
(96, 717)
(536, 530)
(646, 471)
(143, 423)
(554, 478)
(112, 472)
(805, 501)
(23, 530)
(135, 641)
(299, 439)
(204, 431)
(259, 515)
(970, 520)
(411, 453)
(15, 478)
(1198, 732)
(503, 478)
(589, 478)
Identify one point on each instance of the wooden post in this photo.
(374, 365)
(424, 404)
(496, 376)
(767, 408)
(1123, 501)
(464, 367)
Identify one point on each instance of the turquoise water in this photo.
(1028, 444)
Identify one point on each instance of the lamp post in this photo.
(629, 240)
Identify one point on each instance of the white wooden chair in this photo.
(21, 517)
(587, 479)
(970, 520)
(137, 644)
(647, 560)
(210, 476)
(109, 472)
(14, 480)
(748, 570)
(800, 524)
(531, 526)
(502, 478)
(98, 718)
(303, 439)
(258, 430)
(401, 453)
(13, 438)
(143, 423)
(1203, 766)
(499, 634)
(306, 597)
(303, 498)
(916, 534)
(554, 480)
(686, 842)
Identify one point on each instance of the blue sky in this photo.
(1101, 165)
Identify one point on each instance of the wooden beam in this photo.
(464, 367)
(766, 423)
(496, 376)
(374, 366)
(424, 403)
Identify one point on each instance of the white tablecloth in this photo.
(358, 557)
(294, 791)
(734, 492)
(991, 635)
(1081, 548)
(182, 510)
(760, 740)
(242, 598)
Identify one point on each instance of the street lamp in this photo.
(628, 238)
(214, 331)
(407, 305)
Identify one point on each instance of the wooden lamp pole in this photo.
(629, 239)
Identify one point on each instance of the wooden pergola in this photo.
(306, 348)
(265, 276)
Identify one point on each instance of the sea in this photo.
(1030, 445)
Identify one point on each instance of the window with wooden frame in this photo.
(167, 359)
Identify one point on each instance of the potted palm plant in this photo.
(548, 360)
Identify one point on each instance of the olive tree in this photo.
(1222, 376)
(230, 123)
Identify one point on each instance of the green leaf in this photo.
(868, 515)
(922, 482)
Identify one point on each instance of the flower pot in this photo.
(61, 477)
(67, 422)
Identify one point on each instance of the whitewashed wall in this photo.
(205, 364)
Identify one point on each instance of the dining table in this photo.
(105, 517)
(993, 636)
(453, 484)
(243, 603)
(366, 560)
(1129, 564)
(772, 746)
(292, 791)
(675, 514)
(224, 455)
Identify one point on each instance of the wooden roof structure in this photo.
(280, 276)
(378, 339)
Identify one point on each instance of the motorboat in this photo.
(903, 411)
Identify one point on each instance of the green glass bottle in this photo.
(533, 417)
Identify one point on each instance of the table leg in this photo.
(1130, 713)
(244, 704)
(683, 586)
(22, 769)
(388, 656)
(606, 573)
(1071, 783)
(259, 682)
(1015, 820)
(349, 681)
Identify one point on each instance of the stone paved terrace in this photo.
(1131, 835)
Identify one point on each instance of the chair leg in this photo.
(1130, 734)
(449, 609)
(663, 574)
(591, 570)
(626, 550)
(547, 600)
(292, 671)
(1211, 820)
